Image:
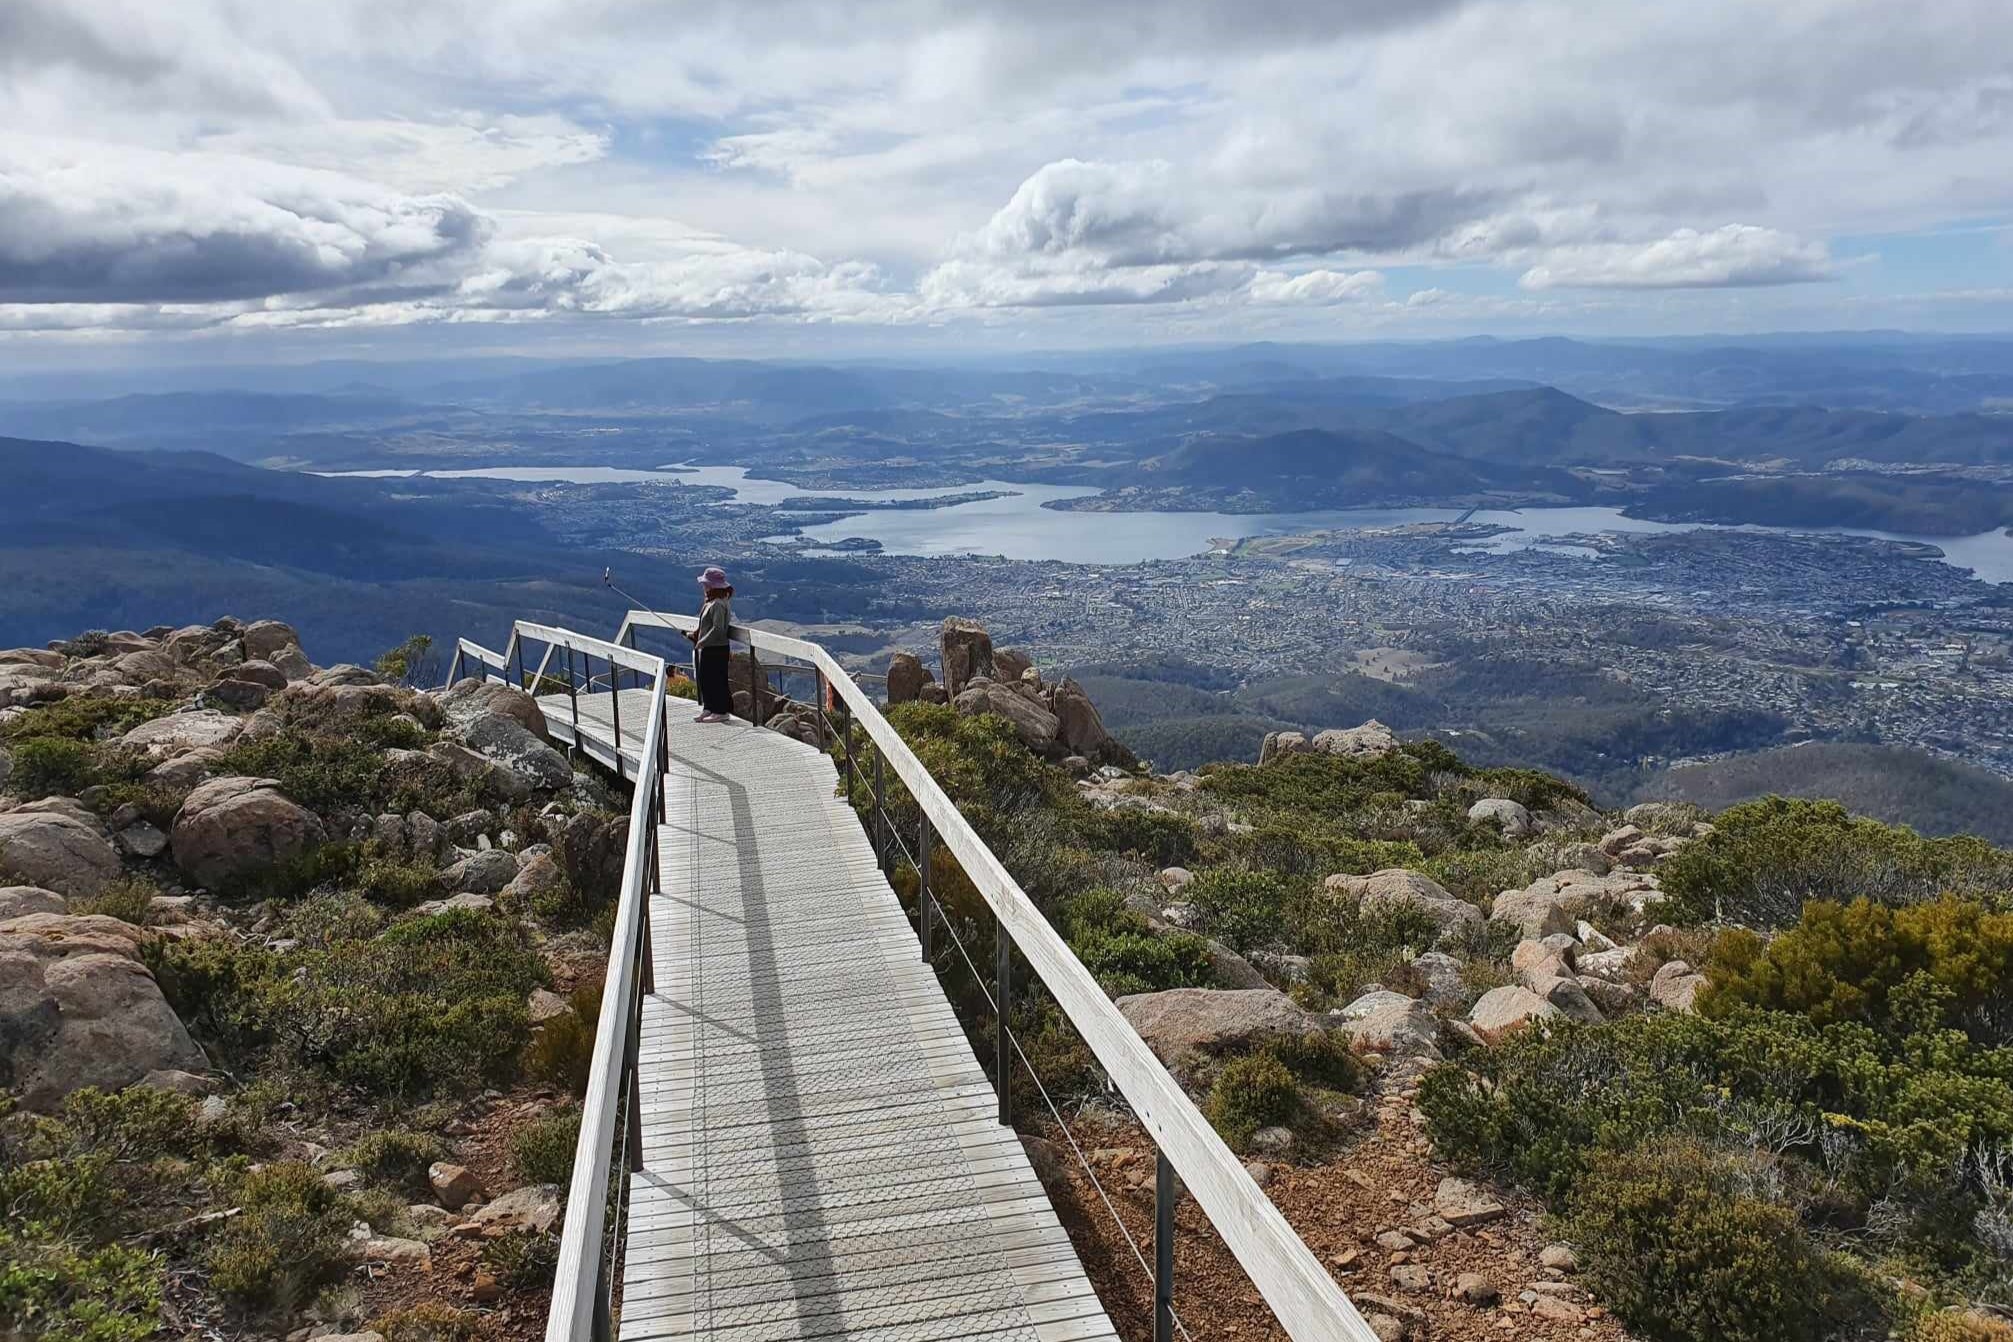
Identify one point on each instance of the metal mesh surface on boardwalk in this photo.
(821, 1156)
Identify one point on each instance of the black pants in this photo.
(714, 694)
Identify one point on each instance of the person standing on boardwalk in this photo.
(716, 617)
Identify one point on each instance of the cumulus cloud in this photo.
(1735, 256)
(85, 223)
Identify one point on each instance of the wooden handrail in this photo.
(578, 1289)
(1303, 1296)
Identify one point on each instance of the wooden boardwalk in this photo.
(821, 1156)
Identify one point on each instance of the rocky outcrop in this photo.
(469, 700)
(1278, 745)
(1369, 741)
(1392, 1023)
(1180, 1023)
(492, 777)
(77, 1008)
(200, 728)
(1554, 903)
(1507, 1008)
(1036, 726)
(262, 639)
(1507, 815)
(1396, 887)
(1011, 665)
(484, 873)
(56, 852)
(18, 901)
(230, 829)
(906, 677)
(507, 741)
(1081, 729)
(967, 653)
(1675, 986)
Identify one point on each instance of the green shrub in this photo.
(287, 1241)
(413, 662)
(561, 1053)
(542, 1150)
(1765, 858)
(84, 718)
(321, 771)
(396, 1156)
(46, 766)
(1322, 1060)
(156, 802)
(1119, 947)
(1675, 1242)
(58, 1291)
(1249, 1094)
(130, 899)
(398, 883)
(137, 1123)
(1158, 837)
(434, 1321)
(681, 687)
(523, 1260)
(428, 1006)
(1243, 907)
(1880, 966)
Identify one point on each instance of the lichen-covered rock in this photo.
(1397, 887)
(470, 698)
(509, 743)
(482, 873)
(491, 776)
(56, 852)
(1507, 1008)
(1510, 816)
(77, 1008)
(262, 638)
(233, 828)
(1369, 741)
(18, 901)
(535, 1208)
(1182, 1022)
(1675, 987)
(180, 732)
(539, 875)
(1392, 1023)
(1278, 745)
(1034, 725)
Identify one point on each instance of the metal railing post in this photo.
(824, 708)
(925, 839)
(517, 647)
(454, 667)
(1003, 1003)
(754, 686)
(629, 641)
(614, 707)
(635, 1076)
(1163, 1249)
(881, 844)
(604, 1322)
(846, 734)
(573, 695)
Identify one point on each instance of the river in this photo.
(1018, 527)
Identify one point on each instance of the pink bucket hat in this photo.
(713, 577)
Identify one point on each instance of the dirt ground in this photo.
(1383, 1182)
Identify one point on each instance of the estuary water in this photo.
(1017, 526)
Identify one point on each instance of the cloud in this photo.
(1734, 256)
(90, 224)
(1315, 286)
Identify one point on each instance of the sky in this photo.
(238, 178)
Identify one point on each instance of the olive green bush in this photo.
(129, 899)
(1117, 945)
(1249, 1094)
(542, 1150)
(1947, 964)
(397, 1156)
(1765, 858)
(1677, 1241)
(561, 1052)
(289, 1239)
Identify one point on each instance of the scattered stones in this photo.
(535, 1207)
(1393, 1024)
(1473, 1288)
(1175, 879)
(1260, 1172)
(1411, 1276)
(1559, 1257)
(390, 1249)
